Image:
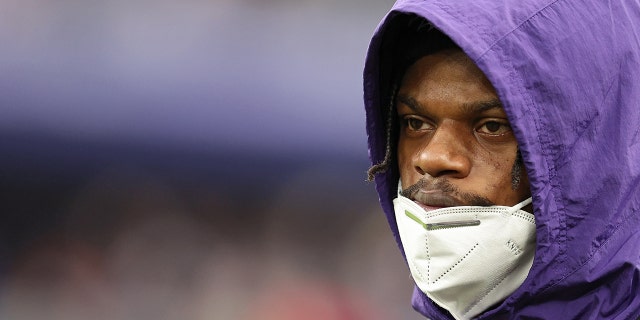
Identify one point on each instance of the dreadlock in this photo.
(388, 153)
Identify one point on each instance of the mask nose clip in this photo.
(451, 224)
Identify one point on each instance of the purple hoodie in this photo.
(568, 75)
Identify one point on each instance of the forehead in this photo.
(446, 77)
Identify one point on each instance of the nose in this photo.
(444, 154)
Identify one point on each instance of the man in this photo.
(505, 138)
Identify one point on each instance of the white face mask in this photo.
(468, 258)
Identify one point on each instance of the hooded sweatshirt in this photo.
(568, 75)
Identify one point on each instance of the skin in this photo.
(455, 145)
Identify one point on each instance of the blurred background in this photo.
(192, 159)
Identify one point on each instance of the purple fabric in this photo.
(568, 74)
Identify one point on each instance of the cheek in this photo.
(404, 164)
(497, 177)
(524, 189)
(499, 161)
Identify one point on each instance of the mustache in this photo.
(447, 189)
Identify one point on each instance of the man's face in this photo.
(455, 145)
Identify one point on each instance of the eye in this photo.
(494, 128)
(414, 123)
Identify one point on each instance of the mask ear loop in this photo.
(522, 204)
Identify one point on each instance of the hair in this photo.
(391, 119)
(516, 171)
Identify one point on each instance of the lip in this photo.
(426, 207)
(434, 199)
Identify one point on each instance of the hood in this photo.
(568, 75)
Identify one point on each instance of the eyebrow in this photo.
(410, 102)
(473, 107)
(482, 106)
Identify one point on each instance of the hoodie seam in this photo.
(589, 257)
(528, 19)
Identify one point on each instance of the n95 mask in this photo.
(467, 258)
